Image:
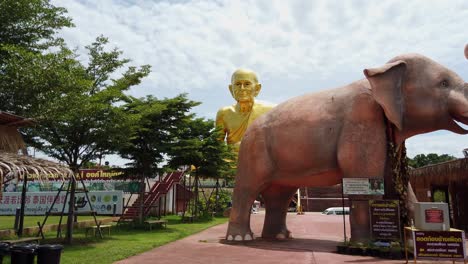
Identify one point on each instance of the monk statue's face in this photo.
(244, 86)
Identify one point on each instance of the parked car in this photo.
(336, 211)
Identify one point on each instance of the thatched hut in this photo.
(10, 138)
(446, 182)
(15, 166)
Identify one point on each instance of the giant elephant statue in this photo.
(319, 138)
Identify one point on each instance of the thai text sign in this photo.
(363, 186)
(385, 219)
(434, 216)
(439, 244)
(95, 174)
(38, 203)
(85, 174)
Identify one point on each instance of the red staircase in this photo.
(158, 190)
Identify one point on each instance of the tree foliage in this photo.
(30, 75)
(199, 145)
(31, 24)
(422, 160)
(31, 83)
(76, 105)
(156, 125)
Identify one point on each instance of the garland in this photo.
(400, 177)
(399, 171)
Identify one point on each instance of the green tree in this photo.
(422, 160)
(32, 82)
(156, 125)
(30, 74)
(30, 24)
(79, 119)
(199, 146)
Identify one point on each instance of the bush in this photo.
(212, 207)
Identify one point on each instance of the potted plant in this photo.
(355, 249)
(384, 252)
(342, 248)
(373, 251)
(396, 251)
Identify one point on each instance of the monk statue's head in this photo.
(244, 86)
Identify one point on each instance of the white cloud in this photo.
(437, 142)
(295, 46)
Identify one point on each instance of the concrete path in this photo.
(315, 239)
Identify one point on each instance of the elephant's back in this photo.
(303, 132)
(311, 107)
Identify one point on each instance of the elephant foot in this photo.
(282, 235)
(236, 233)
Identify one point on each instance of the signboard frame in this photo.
(438, 242)
(363, 186)
(38, 203)
(387, 217)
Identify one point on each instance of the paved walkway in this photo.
(315, 239)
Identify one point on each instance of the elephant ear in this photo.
(466, 51)
(387, 85)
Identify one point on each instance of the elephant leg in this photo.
(254, 170)
(239, 218)
(277, 199)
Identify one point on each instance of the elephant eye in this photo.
(444, 83)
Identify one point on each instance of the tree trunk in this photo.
(71, 211)
(196, 193)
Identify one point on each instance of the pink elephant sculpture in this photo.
(318, 138)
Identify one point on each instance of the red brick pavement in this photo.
(315, 239)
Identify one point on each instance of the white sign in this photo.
(363, 186)
(38, 203)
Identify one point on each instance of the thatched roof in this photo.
(442, 173)
(8, 119)
(14, 166)
(10, 138)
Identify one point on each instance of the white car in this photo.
(336, 211)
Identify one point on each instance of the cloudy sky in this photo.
(294, 46)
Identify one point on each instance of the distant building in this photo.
(10, 139)
(444, 182)
(317, 199)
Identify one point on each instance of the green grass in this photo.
(126, 241)
(7, 222)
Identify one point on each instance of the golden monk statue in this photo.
(235, 119)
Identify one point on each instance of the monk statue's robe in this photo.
(235, 123)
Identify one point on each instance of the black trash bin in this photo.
(49, 254)
(23, 253)
(4, 249)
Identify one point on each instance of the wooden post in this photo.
(174, 188)
(217, 195)
(23, 205)
(142, 199)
